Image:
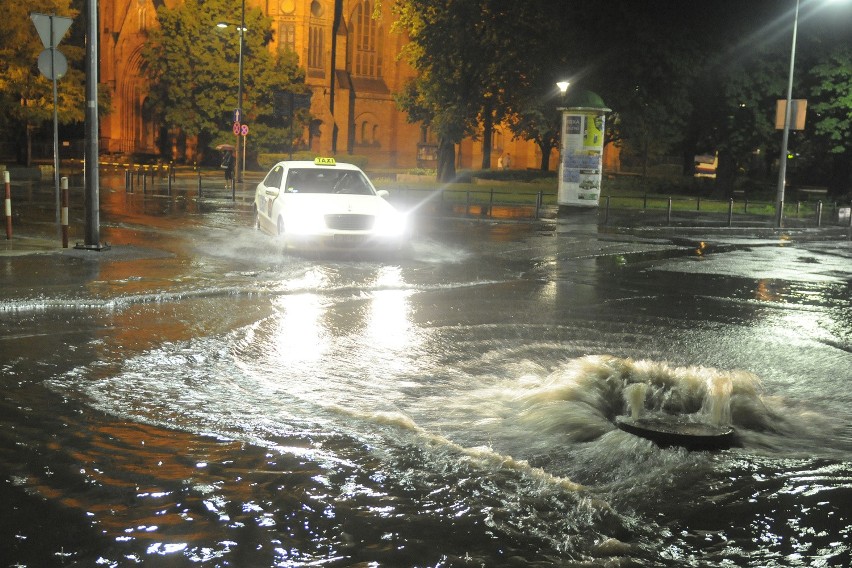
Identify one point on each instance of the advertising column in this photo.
(581, 161)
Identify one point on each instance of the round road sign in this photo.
(237, 128)
(244, 130)
(59, 67)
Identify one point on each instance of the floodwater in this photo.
(198, 397)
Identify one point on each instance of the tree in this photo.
(26, 96)
(832, 107)
(446, 48)
(193, 67)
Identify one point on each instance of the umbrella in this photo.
(224, 147)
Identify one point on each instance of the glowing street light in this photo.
(563, 88)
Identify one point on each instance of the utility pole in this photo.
(91, 177)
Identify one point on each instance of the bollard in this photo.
(169, 174)
(645, 201)
(669, 212)
(8, 205)
(538, 203)
(745, 207)
(128, 182)
(199, 183)
(819, 214)
(698, 204)
(730, 211)
(64, 214)
(145, 180)
(606, 211)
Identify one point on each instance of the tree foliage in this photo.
(697, 79)
(193, 67)
(449, 49)
(26, 96)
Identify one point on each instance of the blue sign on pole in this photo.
(237, 116)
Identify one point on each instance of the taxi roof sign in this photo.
(324, 162)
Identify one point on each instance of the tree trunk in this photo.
(726, 174)
(840, 181)
(446, 160)
(29, 148)
(487, 132)
(545, 148)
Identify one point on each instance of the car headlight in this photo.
(390, 224)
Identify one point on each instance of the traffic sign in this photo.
(237, 116)
(244, 130)
(55, 70)
(237, 128)
(51, 29)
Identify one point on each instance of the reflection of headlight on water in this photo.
(390, 225)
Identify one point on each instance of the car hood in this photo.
(337, 204)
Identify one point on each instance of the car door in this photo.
(268, 193)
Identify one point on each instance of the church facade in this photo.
(353, 74)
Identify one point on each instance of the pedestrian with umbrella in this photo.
(227, 164)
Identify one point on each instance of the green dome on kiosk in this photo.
(586, 100)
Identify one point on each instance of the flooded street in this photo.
(196, 396)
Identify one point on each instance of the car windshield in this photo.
(327, 180)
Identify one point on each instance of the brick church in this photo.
(362, 118)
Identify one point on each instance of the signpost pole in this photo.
(55, 130)
(52, 64)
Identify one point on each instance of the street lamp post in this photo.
(238, 177)
(563, 88)
(238, 167)
(785, 136)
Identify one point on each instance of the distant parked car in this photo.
(327, 205)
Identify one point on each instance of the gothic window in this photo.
(287, 35)
(367, 42)
(315, 47)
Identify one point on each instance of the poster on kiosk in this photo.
(581, 158)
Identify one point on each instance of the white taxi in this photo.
(326, 204)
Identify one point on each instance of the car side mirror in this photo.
(272, 191)
(383, 193)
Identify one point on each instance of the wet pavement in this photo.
(195, 396)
